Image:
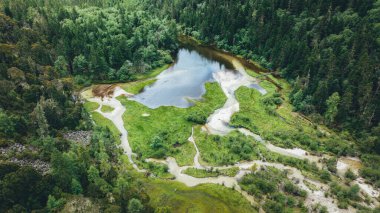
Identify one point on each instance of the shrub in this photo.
(197, 117)
(135, 206)
(325, 175)
(290, 188)
(331, 165)
(350, 175)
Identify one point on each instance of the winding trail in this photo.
(229, 81)
(218, 123)
(197, 154)
(116, 116)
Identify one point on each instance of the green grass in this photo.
(100, 120)
(104, 122)
(201, 173)
(311, 186)
(152, 73)
(277, 124)
(227, 150)
(281, 126)
(158, 169)
(137, 86)
(202, 198)
(90, 106)
(106, 108)
(167, 126)
(273, 189)
(252, 73)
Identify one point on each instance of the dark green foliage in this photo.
(24, 187)
(331, 164)
(135, 206)
(350, 175)
(228, 149)
(325, 176)
(197, 117)
(290, 188)
(32, 97)
(54, 204)
(157, 144)
(326, 48)
(266, 184)
(345, 194)
(265, 181)
(103, 42)
(371, 171)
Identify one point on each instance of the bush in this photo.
(371, 171)
(290, 188)
(350, 175)
(325, 175)
(344, 194)
(135, 206)
(82, 80)
(331, 165)
(197, 117)
(54, 204)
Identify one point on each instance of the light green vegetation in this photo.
(106, 108)
(100, 120)
(137, 86)
(345, 194)
(234, 147)
(143, 80)
(90, 106)
(153, 73)
(252, 73)
(202, 198)
(201, 173)
(158, 169)
(217, 150)
(271, 116)
(311, 186)
(272, 187)
(166, 130)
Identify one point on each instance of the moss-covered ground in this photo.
(106, 108)
(90, 106)
(201, 198)
(201, 173)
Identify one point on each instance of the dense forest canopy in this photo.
(49, 49)
(99, 43)
(327, 48)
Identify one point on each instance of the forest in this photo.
(328, 50)
(50, 50)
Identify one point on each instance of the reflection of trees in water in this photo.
(208, 53)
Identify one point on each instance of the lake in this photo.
(185, 80)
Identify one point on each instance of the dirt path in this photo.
(116, 116)
(218, 123)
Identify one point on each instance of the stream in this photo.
(169, 90)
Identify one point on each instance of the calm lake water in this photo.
(183, 81)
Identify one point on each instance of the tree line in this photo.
(97, 42)
(328, 49)
(49, 49)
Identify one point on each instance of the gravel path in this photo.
(218, 123)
